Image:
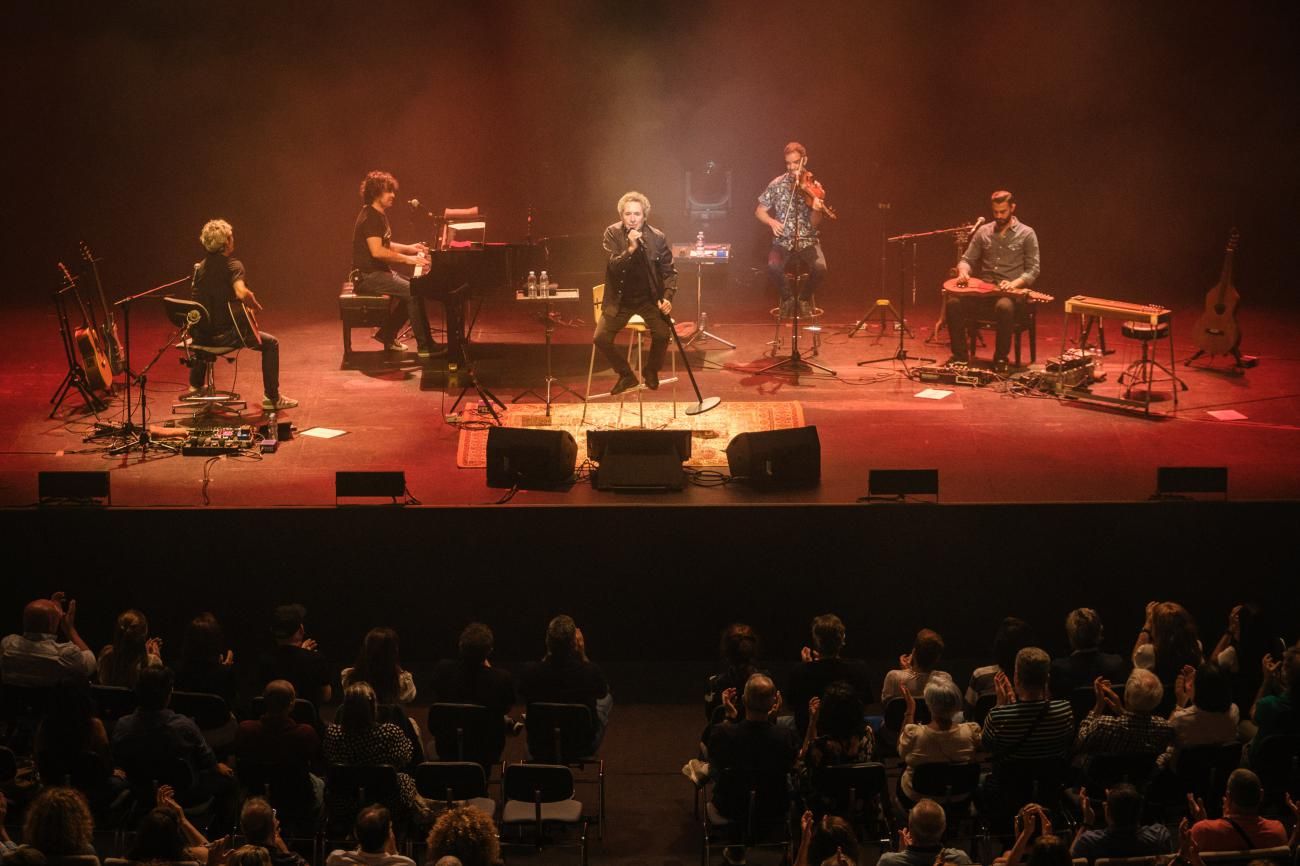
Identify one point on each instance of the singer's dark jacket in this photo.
(664, 273)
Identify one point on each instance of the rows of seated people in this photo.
(1026, 727)
(1157, 735)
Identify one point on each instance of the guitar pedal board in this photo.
(218, 441)
(956, 374)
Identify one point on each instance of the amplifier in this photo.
(956, 374)
(216, 441)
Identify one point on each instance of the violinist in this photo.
(1006, 253)
(786, 206)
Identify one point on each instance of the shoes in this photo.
(697, 771)
(282, 402)
(625, 382)
(956, 359)
(805, 309)
(192, 392)
(393, 345)
(1001, 366)
(651, 379)
(433, 350)
(787, 308)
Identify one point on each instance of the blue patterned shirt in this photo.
(777, 198)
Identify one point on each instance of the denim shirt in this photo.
(777, 198)
(1009, 256)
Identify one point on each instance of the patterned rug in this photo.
(710, 432)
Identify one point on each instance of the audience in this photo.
(1167, 641)
(159, 840)
(69, 740)
(739, 651)
(1086, 661)
(820, 665)
(249, 855)
(380, 665)
(754, 744)
(916, 668)
(1012, 636)
(1025, 724)
(837, 729)
(471, 679)
(467, 835)
(1129, 727)
(206, 664)
(566, 676)
(826, 838)
(376, 842)
(1249, 637)
(1204, 714)
(131, 650)
(942, 740)
(1241, 825)
(295, 657)
(277, 740)
(358, 737)
(260, 826)
(49, 650)
(921, 843)
(1277, 704)
(58, 823)
(1123, 835)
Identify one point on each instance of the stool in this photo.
(360, 311)
(781, 318)
(1024, 320)
(208, 401)
(637, 329)
(1142, 371)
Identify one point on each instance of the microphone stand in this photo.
(140, 437)
(703, 404)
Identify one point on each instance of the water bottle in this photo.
(544, 285)
(699, 240)
(532, 284)
(272, 427)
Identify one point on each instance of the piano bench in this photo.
(360, 311)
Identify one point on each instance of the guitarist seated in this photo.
(219, 287)
(1006, 252)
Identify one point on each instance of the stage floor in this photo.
(988, 444)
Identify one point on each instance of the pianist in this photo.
(373, 255)
(640, 279)
(1006, 252)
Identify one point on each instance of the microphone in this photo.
(415, 203)
(979, 222)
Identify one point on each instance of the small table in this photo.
(555, 293)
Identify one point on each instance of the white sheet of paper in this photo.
(1227, 415)
(322, 432)
(932, 394)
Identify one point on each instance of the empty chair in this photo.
(538, 797)
(466, 732)
(455, 783)
(562, 734)
(747, 808)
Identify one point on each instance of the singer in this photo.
(373, 255)
(782, 198)
(1006, 252)
(640, 280)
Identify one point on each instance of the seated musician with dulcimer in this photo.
(1006, 253)
(219, 286)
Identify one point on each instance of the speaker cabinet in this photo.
(777, 459)
(530, 459)
(639, 460)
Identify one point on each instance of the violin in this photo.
(814, 193)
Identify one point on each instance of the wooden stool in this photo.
(360, 311)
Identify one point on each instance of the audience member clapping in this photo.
(829, 839)
(206, 664)
(921, 843)
(1277, 704)
(1241, 826)
(132, 649)
(260, 826)
(1123, 834)
(296, 657)
(376, 842)
(565, 675)
(941, 740)
(1025, 724)
(1012, 636)
(1204, 714)
(822, 664)
(837, 729)
(50, 649)
(1129, 727)
(754, 743)
(1167, 641)
(1087, 660)
(916, 668)
(740, 651)
(466, 834)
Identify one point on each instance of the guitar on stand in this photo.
(1217, 332)
(89, 370)
(109, 330)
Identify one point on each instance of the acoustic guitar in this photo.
(91, 357)
(245, 319)
(984, 288)
(1216, 331)
(109, 329)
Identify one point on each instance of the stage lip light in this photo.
(386, 484)
(73, 488)
(895, 485)
(1178, 482)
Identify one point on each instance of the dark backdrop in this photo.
(1134, 135)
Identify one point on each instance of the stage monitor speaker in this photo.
(530, 459)
(370, 484)
(73, 488)
(777, 458)
(1182, 480)
(901, 483)
(639, 460)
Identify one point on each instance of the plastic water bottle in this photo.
(544, 285)
(532, 284)
(699, 241)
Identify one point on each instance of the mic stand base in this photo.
(703, 406)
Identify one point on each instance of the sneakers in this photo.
(432, 351)
(651, 379)
(393, 345)
(956, 359)
(192, 392)
(697, 771)
(625, 382)
(282, 402)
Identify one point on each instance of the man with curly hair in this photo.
(466, 834)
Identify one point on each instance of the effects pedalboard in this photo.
(218, 441)
(956, 374)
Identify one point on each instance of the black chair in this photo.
(144, 778)
(287, 787)
(539, 796)
(1203, 772)
(466, 732)
(396, 714)
(455, 783)
(351, 787)
(1280, 856)
(1277, 762)
(208, 711)
(89, 772)
(954, 787)
(982, 707)
(189, 315)
(747, 808)
(562, 734)
(112, 703)
(8, 765)
(21, 711)
(859, 794)
(1105, 771)
(1024, 320)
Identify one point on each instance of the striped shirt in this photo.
(1027, 730)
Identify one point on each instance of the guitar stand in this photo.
(75, 377)
(884, 312)
(1240, 361)
(900, 354)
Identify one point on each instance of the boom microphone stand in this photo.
(703, 404)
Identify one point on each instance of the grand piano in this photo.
(457, 276)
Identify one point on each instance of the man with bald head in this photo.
(49, 650)
(754, 744)
(922, 841)
(277, 740)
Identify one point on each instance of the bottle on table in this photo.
(532, 284)
(544, 285)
